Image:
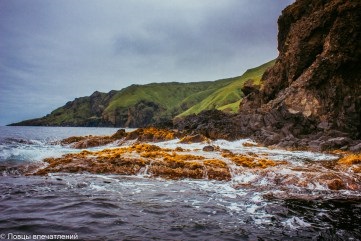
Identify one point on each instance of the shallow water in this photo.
(252, 206)
(131, 208)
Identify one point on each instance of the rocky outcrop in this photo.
(213, 124)
(150, 134)
(312, 94)
(178, 162)
(141, 114)
(311, 97)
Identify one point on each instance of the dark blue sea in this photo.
(112, 207)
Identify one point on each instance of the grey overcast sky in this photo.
(52, 51)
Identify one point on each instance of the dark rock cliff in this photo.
(312, 95)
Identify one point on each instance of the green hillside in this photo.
(227, 98)
(169, 96)
(141, 105)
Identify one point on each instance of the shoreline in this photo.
(168, 154)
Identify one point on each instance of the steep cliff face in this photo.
(314, 88)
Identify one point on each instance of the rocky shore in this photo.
(309, 100)
(311, 97)
(146, 152)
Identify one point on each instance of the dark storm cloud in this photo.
(54, 51)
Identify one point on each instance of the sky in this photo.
(52, 51)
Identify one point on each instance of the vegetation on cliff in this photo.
(141, 105)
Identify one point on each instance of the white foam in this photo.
(295, 223)
(234, 207)
(33, 152)
(238, 147)
(245, 177)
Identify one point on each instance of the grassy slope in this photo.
(177, 99)
(171, 96)
(188, 98)
(75, 114)
(228, 97)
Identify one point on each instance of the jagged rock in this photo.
(356, 148)
(249, 87)
(315, 84)
(213, 124)
(312, 95)
(335, 143)
(119, 134)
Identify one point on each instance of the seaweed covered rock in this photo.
(141, 159)
(150, 134)
(81, 142)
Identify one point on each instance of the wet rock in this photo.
(217, 170)
(119, 134)
(193, 139)
(208, 148)
(136, 159)
(179, 149)
(249, 144)
(271, 138)
(335, 143)
(356, 148)
(250, 161)
(73, 139)
(332, 181)
(92, 141)
(314, 145)
(150, 134)
(335, 184)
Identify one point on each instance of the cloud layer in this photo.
(54, 51)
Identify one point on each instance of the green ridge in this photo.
(229, 96)
(145, 104)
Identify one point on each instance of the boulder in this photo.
(208, 148)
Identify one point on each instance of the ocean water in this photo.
(254, 205)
